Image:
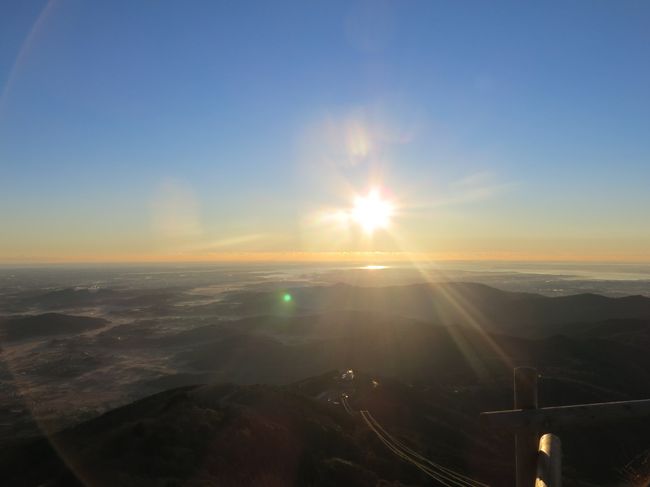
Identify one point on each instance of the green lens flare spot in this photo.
(287, 298)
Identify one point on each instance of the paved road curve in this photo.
(443, 475)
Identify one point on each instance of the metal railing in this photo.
(538, 454)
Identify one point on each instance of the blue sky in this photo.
(501, 128)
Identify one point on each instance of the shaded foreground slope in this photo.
(298, 435)
(210, 435)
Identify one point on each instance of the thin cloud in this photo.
(233, 242)
(479, 186)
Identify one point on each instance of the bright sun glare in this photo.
(371, 212)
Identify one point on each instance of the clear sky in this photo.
(160, 130)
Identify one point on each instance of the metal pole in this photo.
(549, 462)
(526, 440)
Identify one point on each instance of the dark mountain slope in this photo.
(228, 435)
(452, 304)
(210, 435)
(282, 349)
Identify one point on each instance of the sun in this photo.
(371, 212)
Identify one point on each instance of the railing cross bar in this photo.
(552, 417)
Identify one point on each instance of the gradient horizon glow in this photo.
(258, 131)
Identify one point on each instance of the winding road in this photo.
(443, 475)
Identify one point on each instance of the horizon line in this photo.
(366, 257)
